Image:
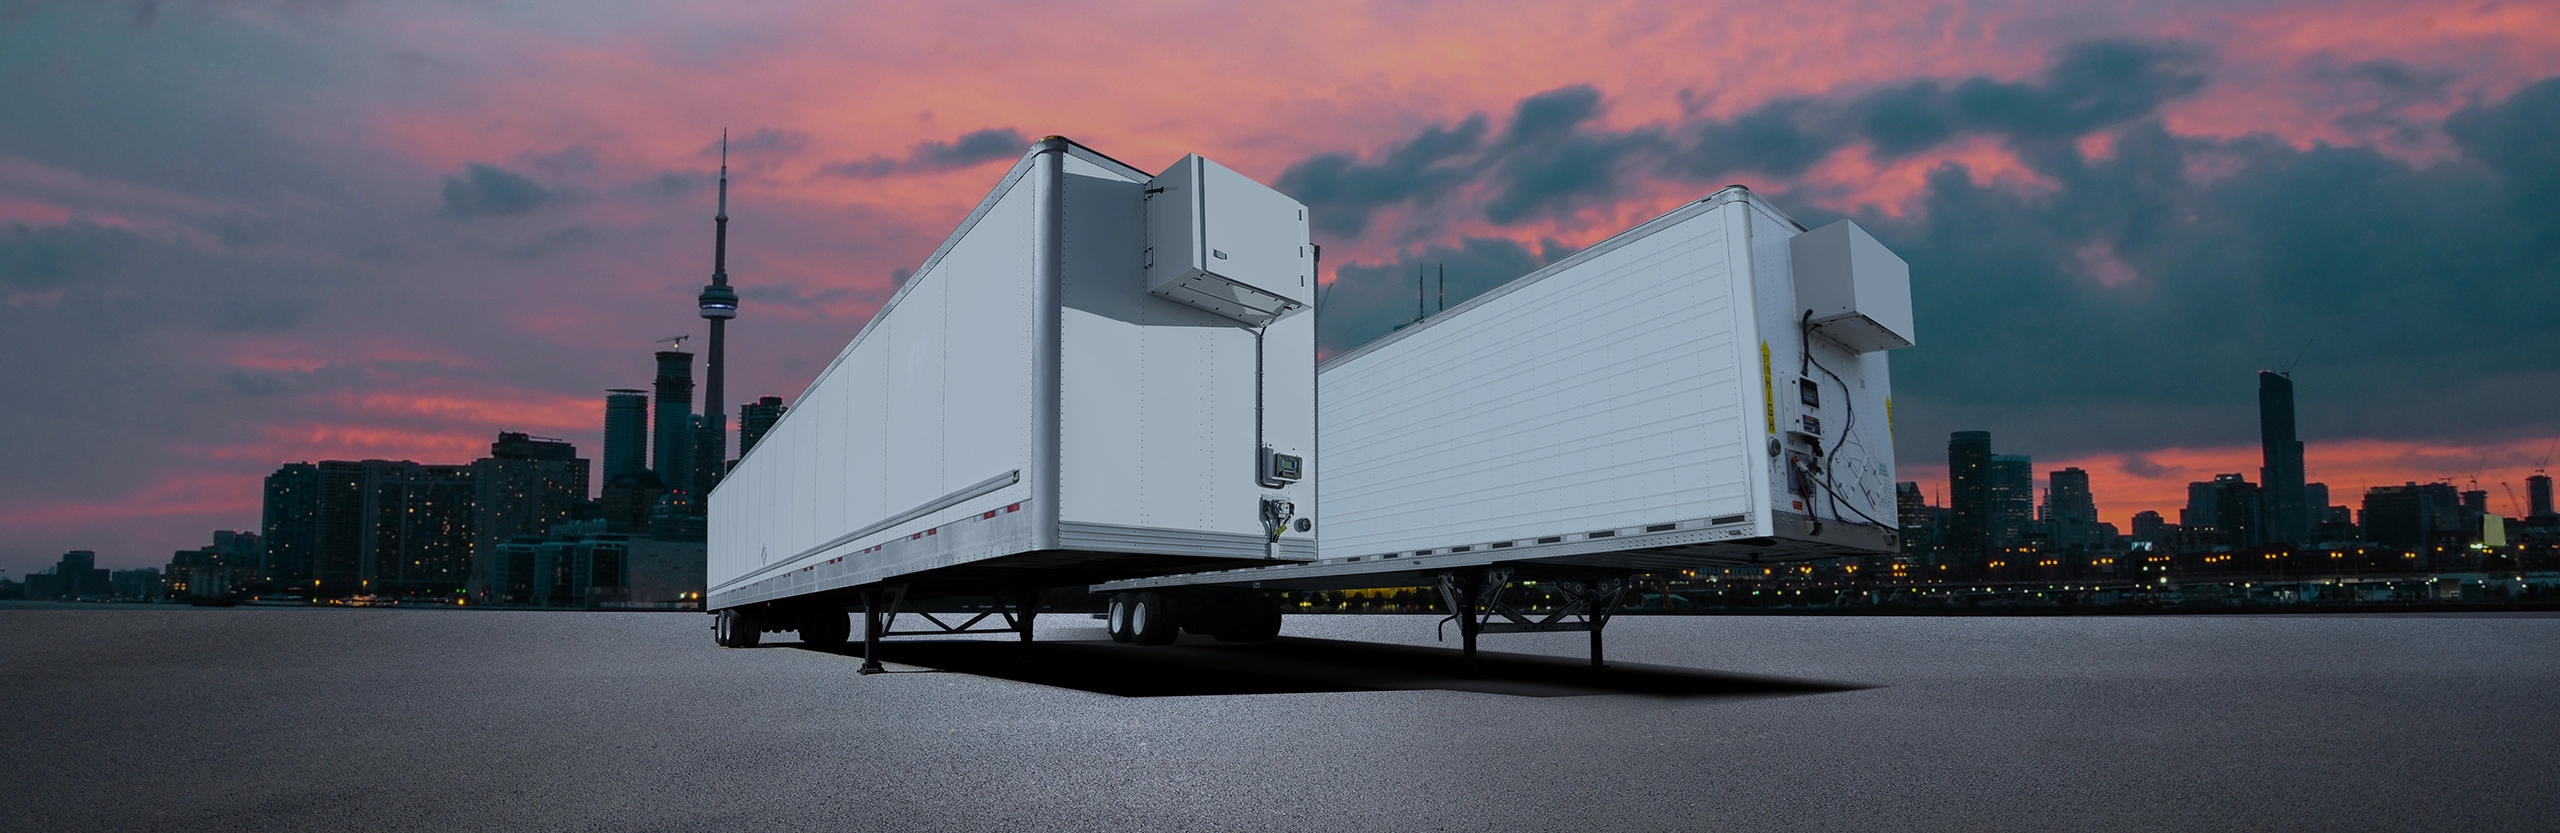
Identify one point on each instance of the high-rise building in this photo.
(421, 530)
(2288, 517)
(755, 418)
(2149, 526)
(626, 432)
(2239, 511)
(1923, 533)
(2071, 511)
(2537, 491)
(524, 487)
(342, 525)
(672, 456)
(289, 523)
(707, 465)
(2011, 482)
(2200, 511)
(2315, 502)
(1969, 493)
(2411, 517)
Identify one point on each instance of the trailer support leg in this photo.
(871, 628)
(1026, 612)
(1462, 592)
(1595, 649)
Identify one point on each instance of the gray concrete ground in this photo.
(286, 719)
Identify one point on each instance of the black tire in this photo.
(826, 628)
(738, 628)
(1249, 619)
(1118, 618)
(1152, 620)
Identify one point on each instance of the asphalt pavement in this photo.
(129, 718)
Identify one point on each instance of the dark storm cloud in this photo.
(2518, 139)
(2090, 86)
(37, 256)
(1552, 157)
(1366, 301)
(2425, 287)
(1341, 192)
(488, 191)
(1551, 163)
(2127, 305)
(976, 147)
(1773, 138)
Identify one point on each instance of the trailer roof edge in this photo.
(1722, 196)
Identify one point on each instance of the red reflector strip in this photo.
(1014, 508)
(990, 513)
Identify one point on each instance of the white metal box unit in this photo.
(1023, 413)
(1655, 400)
(1857, 291)
(1224, 243)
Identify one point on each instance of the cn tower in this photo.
(719, 304)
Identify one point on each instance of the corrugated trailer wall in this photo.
(1620, 398)
(1606, 396)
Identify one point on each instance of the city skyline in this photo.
(243, 236)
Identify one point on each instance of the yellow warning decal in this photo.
(1768, 394)
(1888, 419)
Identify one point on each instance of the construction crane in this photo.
(675, 342)
(2512, 503)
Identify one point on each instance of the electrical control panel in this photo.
(1279, 469)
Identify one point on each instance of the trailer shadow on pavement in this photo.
(1303, 666)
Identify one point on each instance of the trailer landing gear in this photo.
(1474, 598)
(880, 609)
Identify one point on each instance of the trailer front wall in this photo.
(1157, 397)
(1853, 411)
(1608, 395)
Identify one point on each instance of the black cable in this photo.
(1849, 407)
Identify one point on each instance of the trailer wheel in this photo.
(1152, 620)
(825, 628)
(737, 628)
(1118, 620)
(1250, 619)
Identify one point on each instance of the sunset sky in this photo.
(238, 234)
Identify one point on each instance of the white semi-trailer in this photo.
(1102, 373)
(1708, 388)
